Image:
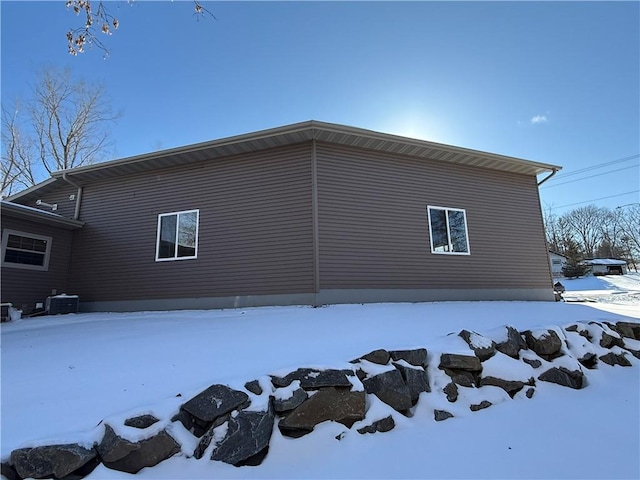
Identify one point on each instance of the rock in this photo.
(583, 332)
(416, 379)
(254, 387)
(141, 421)
(586, 334)
(513, 344)
(416, 357)
(462, 378)
(113, 447)
(214, 402)
(383, 425)
(483, 347)
(608, 340)
(482, 405)
(380, 356)
(589, 360)
(547, 345)
(206, 437)
(335, 404)
(512, 387)
(530, 391)
(628, 329)
(451, 390)
(50, 461)
(563, 376)
(440, 415)
(247, 439)
(615, 359)
(535, 363)
(390, 388)
(635, 353)
(149, 452)
(452, 361)
(312, 379)
(290, 403)
(9, 472)
(185, 418)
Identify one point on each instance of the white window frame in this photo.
(47, 253)
(446, 216)
(175, 256)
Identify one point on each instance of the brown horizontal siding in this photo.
(255, 230)
(24, 288)
(374, 229)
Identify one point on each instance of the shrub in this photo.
(574, 271)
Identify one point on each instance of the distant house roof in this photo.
(559, 254)
(283, 136)
(605, 261)
(29, 213)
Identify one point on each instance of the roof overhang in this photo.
(24, 212)
(291, 135)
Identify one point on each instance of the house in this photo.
(557, 261)
(607, 266)
(311, 213)
(36, 252)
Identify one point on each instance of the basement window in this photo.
(177, 237)
(25, 250)
(448, 230)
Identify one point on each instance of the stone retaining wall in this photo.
(235, 426)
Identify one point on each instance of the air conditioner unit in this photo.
(61, 304)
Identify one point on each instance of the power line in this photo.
(590, 176)
(599, 165)
(595, 199)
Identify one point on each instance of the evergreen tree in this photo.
(574, 267)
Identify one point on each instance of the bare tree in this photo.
(66, 126)
(630, 231)
(559, 233)
(595, 231)
(96, 16)
(17, 154)
(586, 225)
(610, 246)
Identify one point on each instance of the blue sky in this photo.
(546, 81)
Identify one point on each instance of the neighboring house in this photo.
(557, 261)
(311, 213)
(607, 266)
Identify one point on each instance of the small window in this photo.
(448, 230)
(177, 237)
(25, 250)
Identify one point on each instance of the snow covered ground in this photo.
(62, 375)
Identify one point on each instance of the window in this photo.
(177, 236)
(448, 230)
(25, 250)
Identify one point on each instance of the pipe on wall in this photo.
(76, 213)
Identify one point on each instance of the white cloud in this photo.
(539, 119)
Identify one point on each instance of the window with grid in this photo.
(25, 250)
